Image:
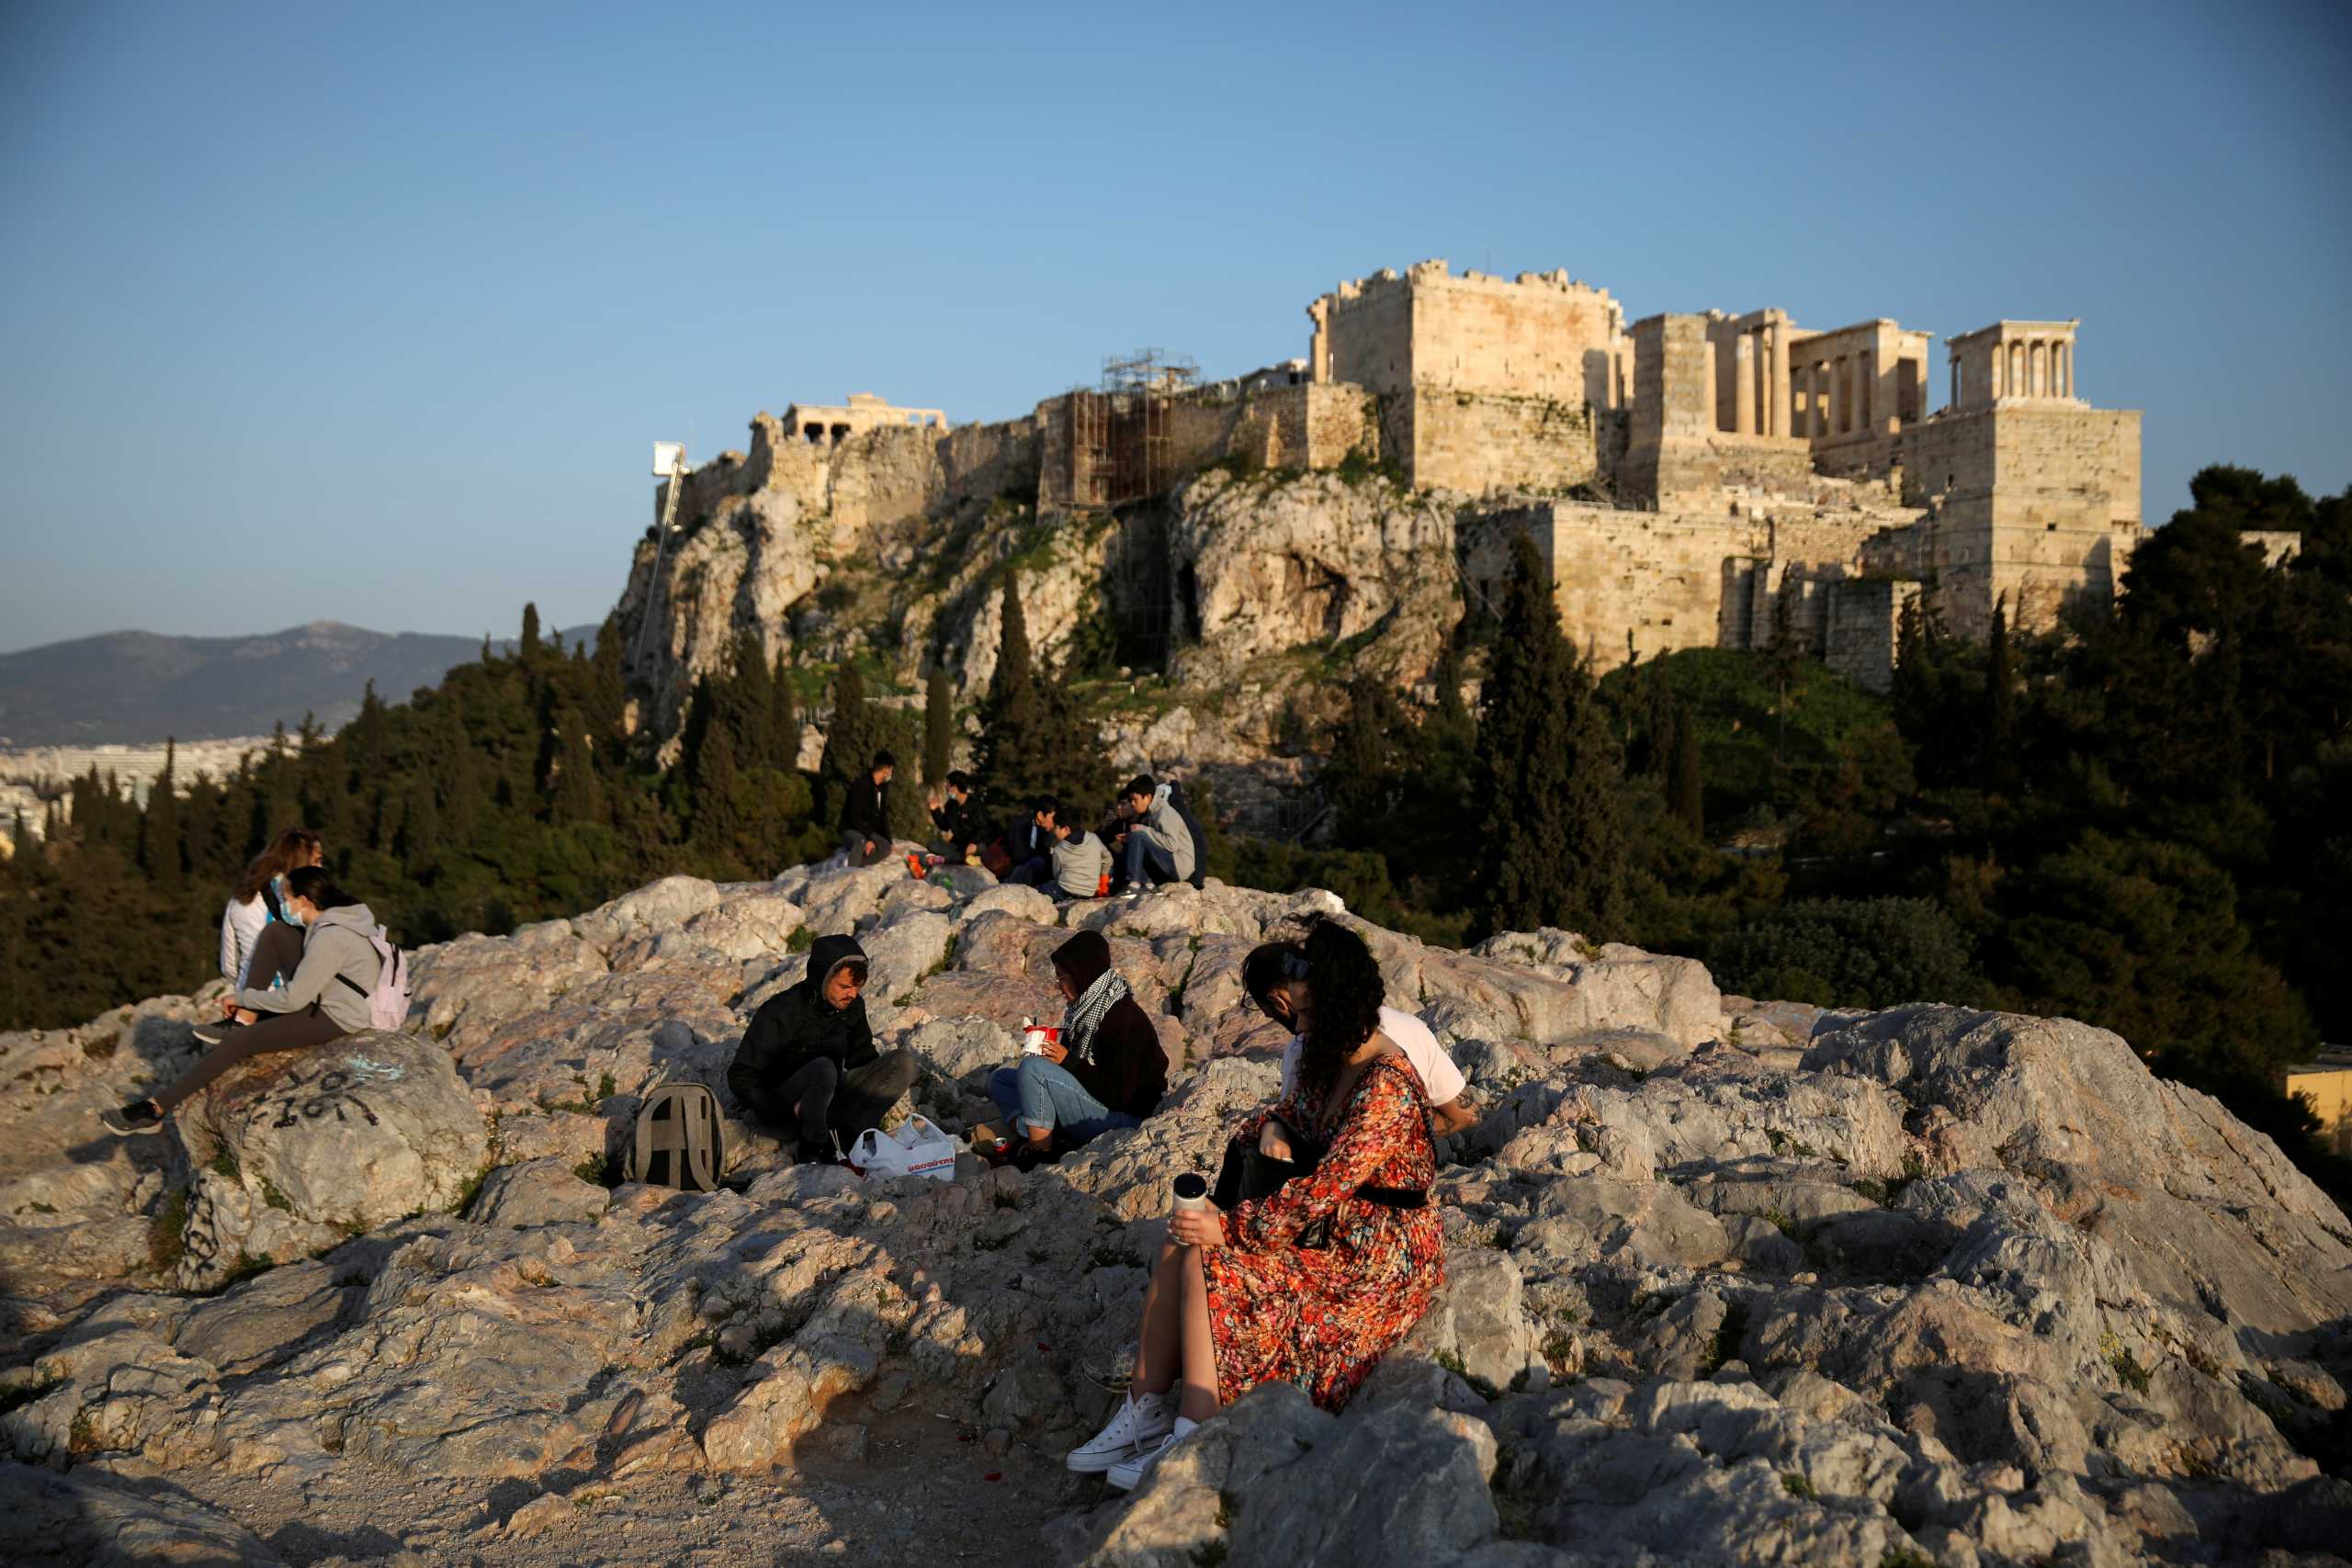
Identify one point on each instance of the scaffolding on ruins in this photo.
(1120, 447)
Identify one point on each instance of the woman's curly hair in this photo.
(1344, 981)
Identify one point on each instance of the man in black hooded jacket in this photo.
(807, 1067)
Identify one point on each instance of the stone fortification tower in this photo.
(1483, 382)
(2033, 495)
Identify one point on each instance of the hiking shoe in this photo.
(1141, 1418)
(212, 1033)
(1028, 1155)
(1128, 1473)
(139, 1116)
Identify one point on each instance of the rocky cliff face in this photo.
(1258, 594)
(1729, 1283)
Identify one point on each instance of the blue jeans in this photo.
(1161, 864)
(1032, 873)
(1043, 1096)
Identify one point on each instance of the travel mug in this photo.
(1191, 1191)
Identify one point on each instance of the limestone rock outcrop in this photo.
(298, 1150)
(1728, 1281)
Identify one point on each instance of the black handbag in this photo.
(1249, 1173)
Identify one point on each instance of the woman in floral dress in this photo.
(1313, 1284)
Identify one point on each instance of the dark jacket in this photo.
(958, 822)
(865, 809)
(1025, 841)
(1124, 1065)
(797, 1026)
(1184, 808)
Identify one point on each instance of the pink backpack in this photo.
(388, 1003)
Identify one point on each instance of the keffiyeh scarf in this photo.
(1086, 1013)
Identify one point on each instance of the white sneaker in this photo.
(1128, 1473)
(1140, 1418)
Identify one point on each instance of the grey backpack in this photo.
(678, 1141)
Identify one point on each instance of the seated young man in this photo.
(957, 820)
(1080, 861)
(1268, 975)
(1157, 845)
(1108, 1071)
(807, 1067)
(1030, 842)
(865, 813)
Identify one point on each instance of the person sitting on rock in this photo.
(1313, 1284)
(255, 935)
(957, 820)
(1157, 845)
(1080, 863)
(1107, 1071)
(865, 813)
(807, 1067)
(1266, 975)
(325, 998)
(1030, 844)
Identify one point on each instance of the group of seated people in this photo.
(297, 953)
(1150, 837)
(1310, 1282)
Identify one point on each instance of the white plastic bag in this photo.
(917, 1148)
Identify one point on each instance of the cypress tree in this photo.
(529, 648)
(750, 702)
(2000, 706)
(1688, 800)
(938, 725)
(1552, 838)
(579, 795)
(849, 740)
(1009, 756)
(159, 829)
(784, 717)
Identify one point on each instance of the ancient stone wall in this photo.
(1476, 442)
(2035, 503)
(1863, 615)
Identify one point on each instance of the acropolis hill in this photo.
(1693, 480)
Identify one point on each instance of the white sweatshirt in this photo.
(240, 927)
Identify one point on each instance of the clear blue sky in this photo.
(370, 313)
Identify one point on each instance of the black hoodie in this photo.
(795, 1026)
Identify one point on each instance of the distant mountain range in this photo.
(139, 687)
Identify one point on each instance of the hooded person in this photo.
(1107, 1071)
(807, 1067)
(325, 998)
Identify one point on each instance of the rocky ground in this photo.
(1729, 1282)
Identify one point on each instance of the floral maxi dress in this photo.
(1321, 1316)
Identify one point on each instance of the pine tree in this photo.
(529, 648)
(938, 725)
(2000, 707)
(1552, 836)
(1688, 800)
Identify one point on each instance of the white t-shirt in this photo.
(1440, 1078)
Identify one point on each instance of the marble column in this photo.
(1743, 388)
